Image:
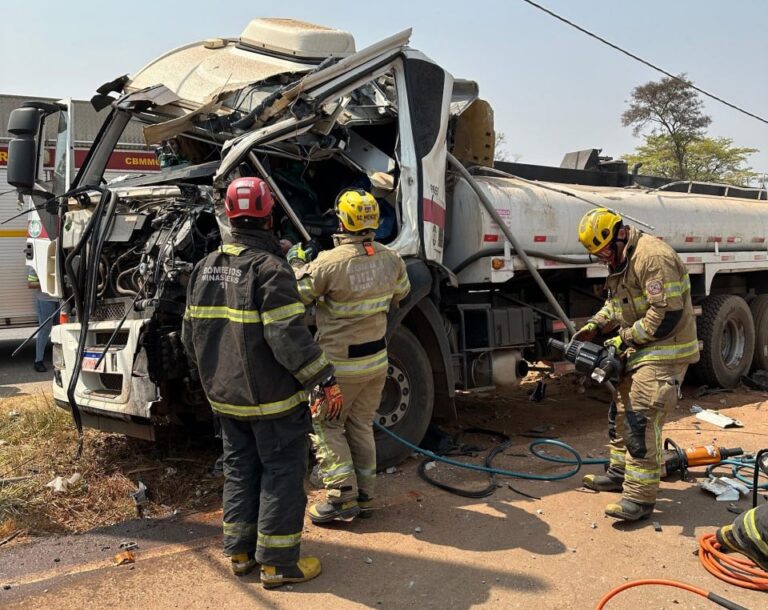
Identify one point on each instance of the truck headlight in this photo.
(58, 356)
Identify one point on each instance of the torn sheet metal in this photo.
(718, 419)
(725, 488)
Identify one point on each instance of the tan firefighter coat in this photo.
(649, 299)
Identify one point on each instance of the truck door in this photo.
(424, 128)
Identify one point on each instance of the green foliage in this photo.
(706, 160)
(669, 115)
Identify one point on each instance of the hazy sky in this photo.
(553, 89)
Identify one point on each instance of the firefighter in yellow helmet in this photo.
(354, 286)
(649, 304)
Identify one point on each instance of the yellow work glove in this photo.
(617, 343)
(587, 332)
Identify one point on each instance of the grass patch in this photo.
(40, 442)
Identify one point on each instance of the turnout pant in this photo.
(345, 446)
(265, 462)
(645, 397)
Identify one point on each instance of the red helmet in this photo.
(248, 197)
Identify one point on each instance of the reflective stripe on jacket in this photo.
(244, 330)
(354, 286)
(652, 287)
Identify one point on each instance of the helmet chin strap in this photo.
(618, 259)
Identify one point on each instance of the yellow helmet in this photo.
(597, 229)
(357, 210)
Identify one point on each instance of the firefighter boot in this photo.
(628, 510)
(333, 511)
(602, 482)
(729, 540)
(277, 576)
(243, 563)
(366, 506)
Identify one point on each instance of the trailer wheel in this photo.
(759, 307)
(407, 400)
(728, 332)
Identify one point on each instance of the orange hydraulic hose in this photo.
(731, 568)
(649, 581)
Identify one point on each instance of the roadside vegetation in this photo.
(38, 442)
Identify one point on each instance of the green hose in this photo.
(577, 462)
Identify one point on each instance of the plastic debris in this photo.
(3, 442)
(430, 465)
(75, 478)
(140, 495)
(696, 409)
(58, 484)
(368, 560)
(391, 470)
(128, 545)
(417, 530)
(124, 558)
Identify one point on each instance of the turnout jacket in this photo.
(649, 299)
(354, 285)
(244, 330)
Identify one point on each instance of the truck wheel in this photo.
(407, 400)
(728, 332)
(759, 307)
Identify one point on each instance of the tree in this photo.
(706, 159)
(672, 109)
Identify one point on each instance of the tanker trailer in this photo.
(722, 240)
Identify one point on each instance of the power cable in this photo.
(645, 62)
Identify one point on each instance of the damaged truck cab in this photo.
(293, 102)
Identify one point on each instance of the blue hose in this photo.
(577, 462)
(736, 467)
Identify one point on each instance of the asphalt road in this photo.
(16, 374)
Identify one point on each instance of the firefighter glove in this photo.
(326, 398)
(299, 255)
(587, 332)
(617, 343)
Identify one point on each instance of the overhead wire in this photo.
(645, 62)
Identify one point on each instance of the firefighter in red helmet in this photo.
(244, 332)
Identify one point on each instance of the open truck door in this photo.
(42, 173)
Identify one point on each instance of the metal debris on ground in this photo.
(539, 393)
(758, 380)
(725, 488)
(705, 390)
(124, 558)
(128, 545)
(718, 419)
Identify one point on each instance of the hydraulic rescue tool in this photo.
(677, 459)
(595, 361)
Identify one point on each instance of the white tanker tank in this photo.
(545, 220)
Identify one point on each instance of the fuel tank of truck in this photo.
(546, 220)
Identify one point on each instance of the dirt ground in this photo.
(427, 548)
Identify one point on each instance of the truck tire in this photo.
(407, 400)
(759, 307)
(728, 332)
